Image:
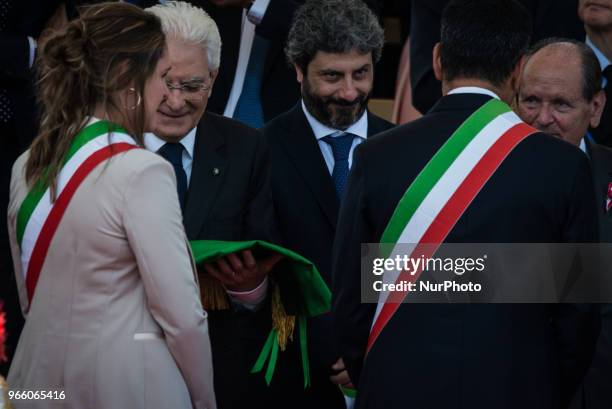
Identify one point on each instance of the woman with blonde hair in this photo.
(106, 279)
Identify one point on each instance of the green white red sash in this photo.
(39, 217)
(436, 199)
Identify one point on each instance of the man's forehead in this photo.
(553, 75)
(351, 60)
(186, 58)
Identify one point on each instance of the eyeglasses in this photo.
(193, 90)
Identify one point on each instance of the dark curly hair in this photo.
(333, 26)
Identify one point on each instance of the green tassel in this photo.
(304, 349)
(265, 351)
(272, 362)
(270, 349)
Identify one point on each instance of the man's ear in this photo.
(515, 76)
(299, 73)
(436, 62)
(597, 105)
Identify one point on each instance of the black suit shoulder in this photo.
(278, 127)
(229, 128)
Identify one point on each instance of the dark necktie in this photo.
(603, 133)
(173, 153)
(340, 143)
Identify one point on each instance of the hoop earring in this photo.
(138, 100)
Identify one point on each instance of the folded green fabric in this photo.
(302, 290)
(300, 281)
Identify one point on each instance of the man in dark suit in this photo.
(597, 17)
(560, 93)
(333, 45)
(222, 174)
(253, 35)
(465, 355)
(550, 18)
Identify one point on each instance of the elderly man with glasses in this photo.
(222, 177)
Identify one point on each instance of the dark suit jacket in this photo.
(601, 166)
(234, 203)
(550, 18)
(279, 89)
(465, 355)
(596, 392)
(307, 210)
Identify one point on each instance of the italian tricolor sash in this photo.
(39, 217)
(436, 199)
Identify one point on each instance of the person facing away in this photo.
(560, 93)
(538, 189)
(105, 274)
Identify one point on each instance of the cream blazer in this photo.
(116, 321)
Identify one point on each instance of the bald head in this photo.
(560, 90)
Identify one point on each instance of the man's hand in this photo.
(240, 271)
(232, 3)
(342, 377)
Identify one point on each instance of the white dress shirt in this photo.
(473, 90)
(359, 129)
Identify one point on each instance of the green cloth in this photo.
(303, 292)
(299, 280)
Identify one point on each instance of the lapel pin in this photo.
(215, 171)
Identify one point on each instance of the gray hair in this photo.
(191, 24)
(333, 26)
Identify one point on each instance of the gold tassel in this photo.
(213, 294)
(285, 324)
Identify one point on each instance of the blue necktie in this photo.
(173, 153)
(249, 109)
(340, 143)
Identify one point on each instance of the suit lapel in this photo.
(275, 48)
(207, 175)
(303, 149)
(377, 125)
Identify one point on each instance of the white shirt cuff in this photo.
(258, 11)
(33, 46)
(250, 299)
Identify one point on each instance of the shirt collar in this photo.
(153, 143)
(473, 90)
(603, 60)
(359, 128)
(583, 145)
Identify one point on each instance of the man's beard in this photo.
(333, 112)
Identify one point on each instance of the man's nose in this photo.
(175, 99)
(544, 117)
(348, 90)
